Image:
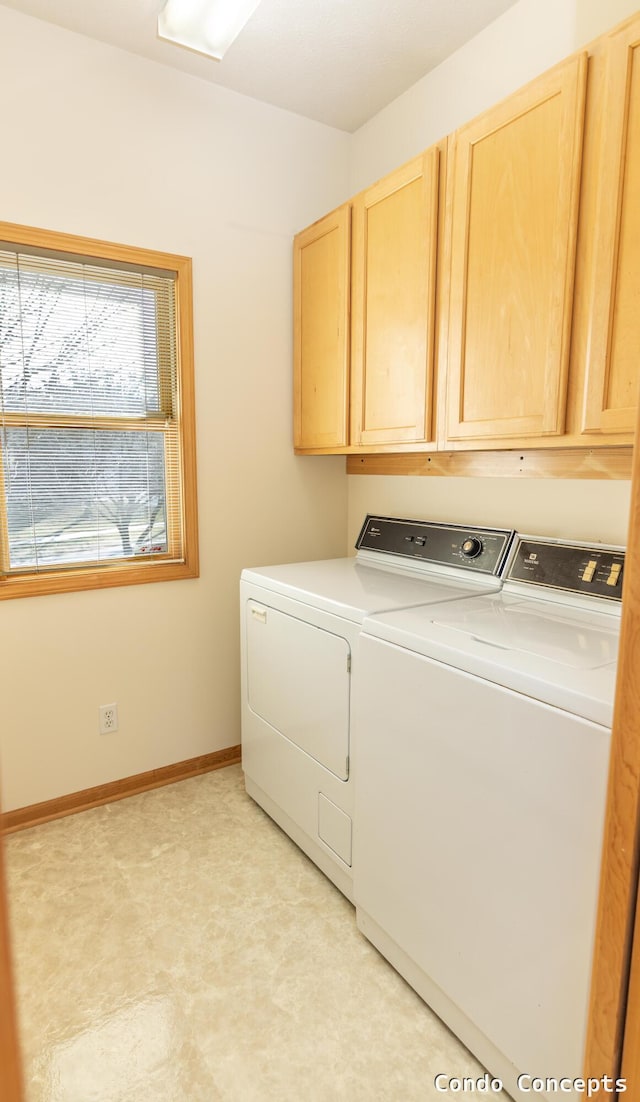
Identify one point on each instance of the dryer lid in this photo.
(353, 590)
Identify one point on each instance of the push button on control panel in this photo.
(614, 574)
(419, 541)
(589, 571)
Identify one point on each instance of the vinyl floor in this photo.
(176, 946)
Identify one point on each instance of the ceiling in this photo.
(335, 61)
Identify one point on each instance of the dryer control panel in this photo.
(482, 550)
(573, 568)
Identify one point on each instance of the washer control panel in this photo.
(595, 571)
(483, 550)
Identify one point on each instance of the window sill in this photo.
(106, 577)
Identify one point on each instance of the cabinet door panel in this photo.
(395, 232)
(321, 332)
(514, 208)
(613, 356)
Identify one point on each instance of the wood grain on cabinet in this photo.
(613, 344)
(321, 272)
(395, 230)
(592, 463)
(513, 209)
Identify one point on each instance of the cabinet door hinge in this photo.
(348, 663)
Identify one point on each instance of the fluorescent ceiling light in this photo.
(208, 26)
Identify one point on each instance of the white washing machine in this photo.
(299, 626)
(484, 732)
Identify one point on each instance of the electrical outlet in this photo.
(108, 716)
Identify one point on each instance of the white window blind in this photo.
(90, 445)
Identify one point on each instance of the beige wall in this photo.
(105, 144)
(529, 38)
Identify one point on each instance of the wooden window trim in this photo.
(119, 573)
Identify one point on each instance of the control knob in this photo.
(472, 547)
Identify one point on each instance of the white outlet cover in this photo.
(108, 718)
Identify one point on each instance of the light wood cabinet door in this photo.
(513, 206)
(613, 347)
(321, 273)
(393, 296)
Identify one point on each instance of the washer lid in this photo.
(571, 638)
(563, 656)
(353, 590)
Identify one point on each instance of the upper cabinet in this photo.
(612, 348)
(321, 276)
(370, 383)
(505, 317)
(395, 226)
(513, 197)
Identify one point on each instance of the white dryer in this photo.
(299, 626)
(484, 734)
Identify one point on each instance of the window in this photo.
(97, 449)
